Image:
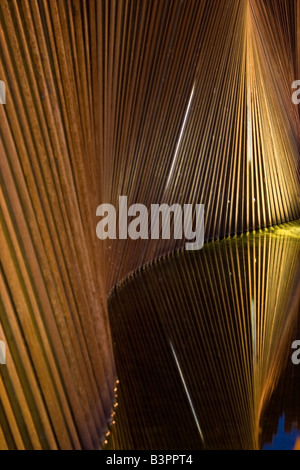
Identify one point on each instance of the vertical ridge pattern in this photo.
(60, 368)
(201, 341)
(163, 101)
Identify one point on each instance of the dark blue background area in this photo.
(283, 440)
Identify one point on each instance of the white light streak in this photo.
(187, 393)
(180, 137)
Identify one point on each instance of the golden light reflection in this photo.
(165, 102)
(203, 339)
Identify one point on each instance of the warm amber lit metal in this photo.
(162, 101)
